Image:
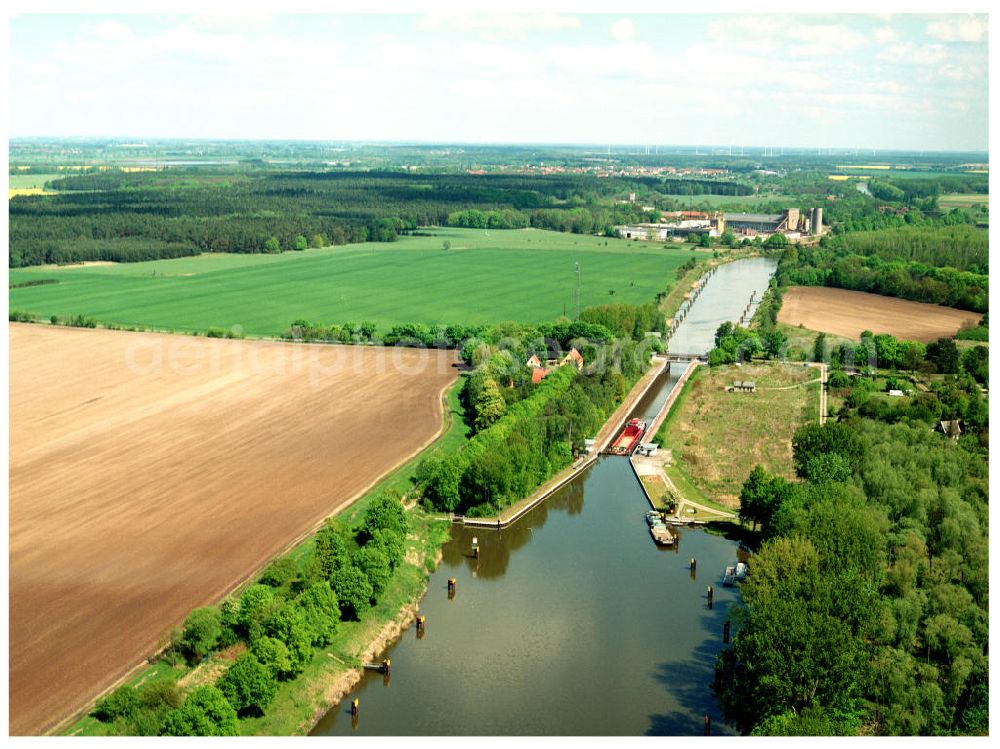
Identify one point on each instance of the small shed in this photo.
(896, 393)
(648, 448)
(534, 361)
(744, 386)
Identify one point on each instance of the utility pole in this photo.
(577, 292)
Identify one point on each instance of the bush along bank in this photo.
(254, 646)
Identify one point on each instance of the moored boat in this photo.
(629, 437)
(661, 535)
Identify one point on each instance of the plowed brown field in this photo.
(150, 474)
(848, 313)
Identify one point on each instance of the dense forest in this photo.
(960, 246)
(920, 281)
(866, 607)
(132, 216)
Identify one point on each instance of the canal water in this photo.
(571, 621)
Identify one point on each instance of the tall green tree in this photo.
(819, 348)
(248, 685)
(321, 610)
(943, 353)
(272, 654)
(354, 592)
(375, 564)
(289, 625)
(489, 405)
(761, 496)
(205, 712)
(386, 512)
(202, 629)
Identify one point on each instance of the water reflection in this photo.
(496, 546)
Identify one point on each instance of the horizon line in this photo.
(542, 143)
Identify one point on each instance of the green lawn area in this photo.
(958, 200)
(28, 181)
(485, 277)
(716, 437)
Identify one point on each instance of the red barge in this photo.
(629, 438)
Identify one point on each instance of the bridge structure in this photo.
(686, 358)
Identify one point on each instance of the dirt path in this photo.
(150, 474)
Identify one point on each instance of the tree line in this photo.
(129, 217)
(916, 281)
(962, 246)
(282, 620)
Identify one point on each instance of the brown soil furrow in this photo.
(138, 495)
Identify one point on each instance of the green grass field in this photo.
(485, 277)
(958, 200)
(27, 181)
(717, 437)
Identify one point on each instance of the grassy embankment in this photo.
(716, 437)
(297, 701)
(484, 277)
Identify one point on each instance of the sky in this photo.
(856, 81)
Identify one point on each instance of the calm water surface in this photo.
(570, 622)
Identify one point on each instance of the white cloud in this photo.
(517, 22)
(885, 35)
(965, 29)
(826, 38)
(231, 21)
(956, 73)
(774, 34)
(744, 28)
(914, 54)
(624, 30)
(111, 31)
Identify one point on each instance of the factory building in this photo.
(790, 222)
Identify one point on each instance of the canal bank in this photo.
(659, 370)
(570, 621)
